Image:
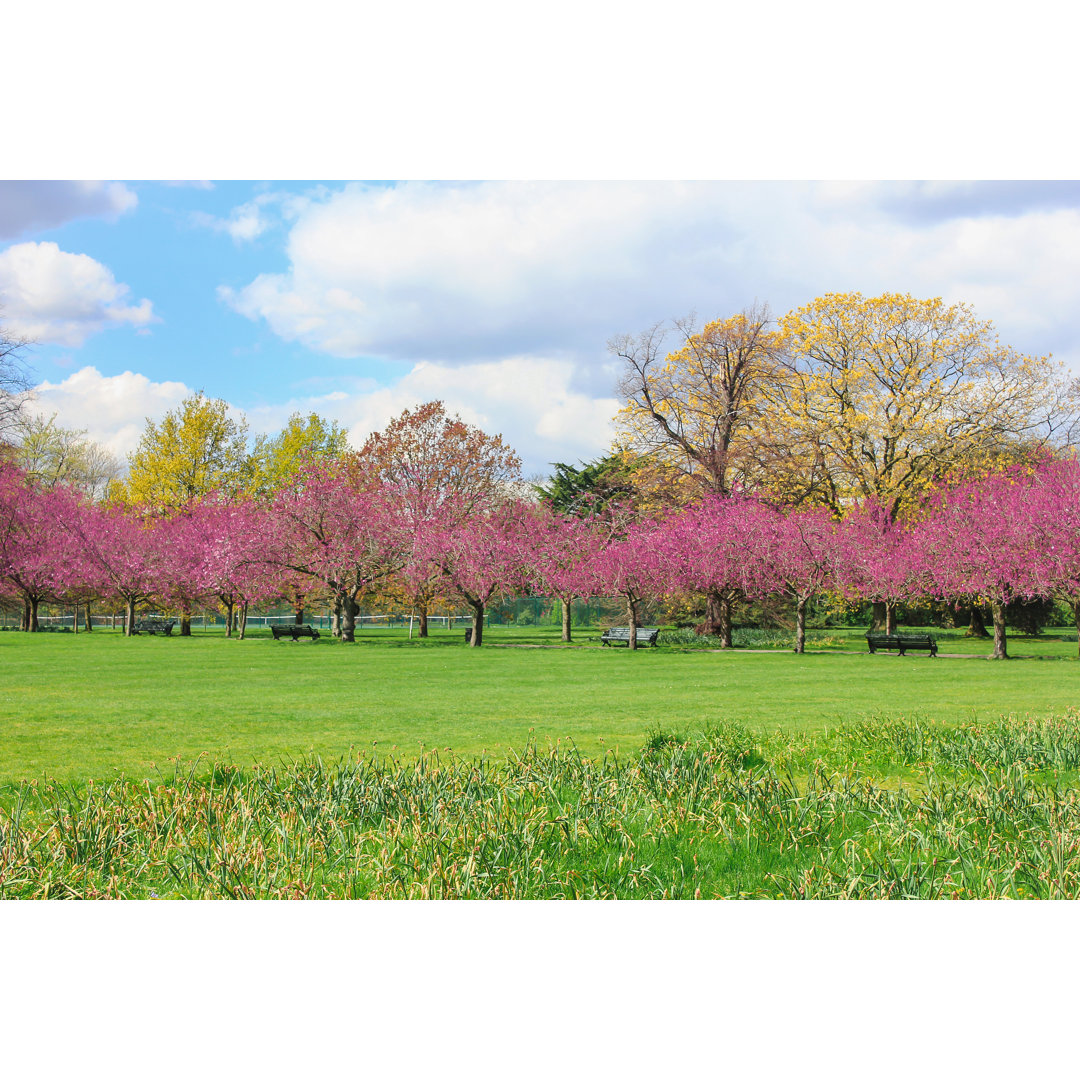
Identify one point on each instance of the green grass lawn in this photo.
(95, 705)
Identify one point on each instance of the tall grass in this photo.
(975, 811)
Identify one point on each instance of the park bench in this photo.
(155, 626)
(295, 632)
(902, 642)
(646, 635)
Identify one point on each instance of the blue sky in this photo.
(357, 300)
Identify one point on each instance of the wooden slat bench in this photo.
(902, 642)
(646, 635)
(155, 626)
(294, 632)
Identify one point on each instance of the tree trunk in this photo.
(567, 608)
(800, 623)
(1076, 619)
(349, 608)
(24, 619)
(1000, 652)
(477, 636)
(298, 610)
(714, 605)
(243, 618)
(88, 624)
(185, 620)
(725, 623)
(878, 616)
(75, 620)
(129, 619)
(32, 618)
(976, 628)
(335, 618)
(632, 620)
(421, 611)
(230, 609)
(890, 618)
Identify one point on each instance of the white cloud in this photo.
(531, 402)
(27, 205)
(251, 219)
(470, 272)
(112, 408)
(56, 297)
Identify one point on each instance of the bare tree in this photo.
(696, 412)
(15, 382)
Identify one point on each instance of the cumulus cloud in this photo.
(113, 409)
(27, 205)
(471, 272)
(533, 403)
(56, 297)
(251, 219)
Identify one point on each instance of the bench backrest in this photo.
(876, 638)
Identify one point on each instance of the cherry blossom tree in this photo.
(875, 559)
(560, 546)
(480, 555)
(122, 550)
(442, 470)
(707, 550)
(631, 562)
(794, 554)
(980, 539)
(329, 529)
(36, 557)
(1053, 511)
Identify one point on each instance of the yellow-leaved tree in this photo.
(883, 396)
(277, 459)
(196, 449)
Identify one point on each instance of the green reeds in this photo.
(978, 810)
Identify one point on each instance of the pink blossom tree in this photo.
(876, 559)
(707, 550)
(479, 556)
(331, 530)
(560, 547)
(631, 561)
(980, 539)
(36, 557)
(234, 537)
(794, 554)
(122, 550)
(1053, 511)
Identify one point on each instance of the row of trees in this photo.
(850, 411)
(340, 533)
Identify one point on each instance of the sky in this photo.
(357, 300)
